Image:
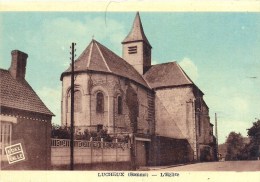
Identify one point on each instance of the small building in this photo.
(157, 106)
(23, 118)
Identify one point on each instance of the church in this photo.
(157, 106)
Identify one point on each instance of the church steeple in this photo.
(136, 47)
(137, 32)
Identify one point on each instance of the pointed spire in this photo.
(137, 32)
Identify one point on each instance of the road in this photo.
(217, 166)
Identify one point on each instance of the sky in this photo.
(219, 51)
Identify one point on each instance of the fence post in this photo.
(102, 140)
(116, 150)
(91, 146)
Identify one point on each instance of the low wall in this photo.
(88, 152)
(167, 151)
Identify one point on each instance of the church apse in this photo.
(109, 102)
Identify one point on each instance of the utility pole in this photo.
(72, 109)
(216, 133)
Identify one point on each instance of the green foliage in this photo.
(235, 146)
(238, 150)
(86, 135)
(60, 132)
(101, 134)
(254, 133)
(63, 132)
(250, 151)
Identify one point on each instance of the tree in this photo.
(254, 131)
(60, 132)
(235, 146)
(254, 134)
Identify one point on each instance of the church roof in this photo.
(97, 57)
(166, 75)
(137, 32)
(18, 94)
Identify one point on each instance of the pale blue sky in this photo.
(219, 51)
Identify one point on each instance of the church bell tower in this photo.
(136, 47)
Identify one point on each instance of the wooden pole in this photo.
(72, 110)
(216, 133)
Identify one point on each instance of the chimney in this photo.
(18, 65)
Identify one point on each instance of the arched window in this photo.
(77, 101)
(100, 103)
(119, 105)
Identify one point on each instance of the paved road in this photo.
(217, 166)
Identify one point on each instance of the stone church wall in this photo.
(81, 118)
(136, 60)
(206, 134)
(111, 86)
(175, 117)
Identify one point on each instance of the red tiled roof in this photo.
(97, 57)
(166, 75)
(18, 94)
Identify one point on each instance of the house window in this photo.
(5, 134)
(100, 103)
(77, 101)
(132, 50)
(119, 105)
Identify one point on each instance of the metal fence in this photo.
(88, 144)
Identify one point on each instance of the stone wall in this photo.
(179, 116)
(175, 114)
(136, 60)
(168, 151)
(83, 117)
(206, 134)
(111, 86)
